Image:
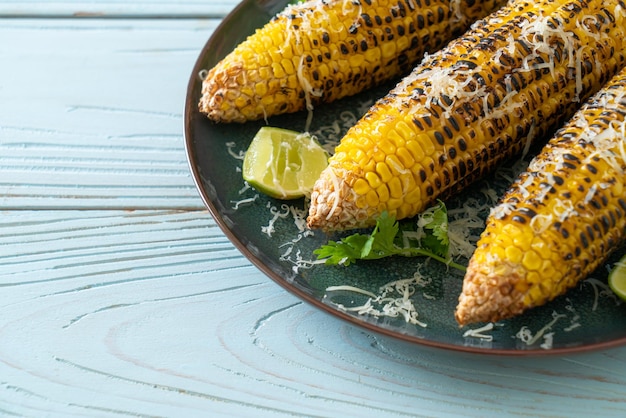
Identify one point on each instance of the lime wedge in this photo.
(617, 278)
(283, 164)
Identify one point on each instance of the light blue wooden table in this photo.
(119, 295)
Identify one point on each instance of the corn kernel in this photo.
(323, 70)
(254, 61)
(414, 195)
(383, 193)
(356, 61)
(265, 40)
(267, 100)
(404, 130)
(426, 143)
(618, 189)
(533, 277)
(405, 157)
(265, 73)
(287, 66)
(388, 50)
(286, 51)
(357, 155)
(241, 101)
(522, 286)
(300, 48)
(539, 244)
(429, 163)
(386, 146)
(383, 171)
(403, 211)
(393, 204)
(395, 187)
(369, 166)
(340, 155)
(343, 66)
(511, 230)
(378, 155)
(260, 89)
(394, 164)
(531, 260)
(514, 254)
(292, 82)
(533, 295)
(417, 152)
(394, 137)
(547, 287)
(523, 240)
(361, 186)
(373, 180)
(372, 55)
(503, 240)
(278, 70)
(501, 270)
(403, 43)
(274, 55)
(372, 198)
(547, 270)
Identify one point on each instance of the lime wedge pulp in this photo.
(283, 164)
(617, 278)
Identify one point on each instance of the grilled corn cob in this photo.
(322, 50)
(559, 221)
(514, 77)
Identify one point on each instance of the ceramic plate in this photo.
(268, 232)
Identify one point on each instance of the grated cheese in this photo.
(575, 318)
(479, 332)
(230, 146)
(465, 224)
(601, 289)
(527, 337)
(243, 202)
(393, 299)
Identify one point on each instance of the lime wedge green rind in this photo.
(617, 278)
(283, 164)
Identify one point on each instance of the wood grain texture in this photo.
(154, 313)
(92, 112)
(117, 8)
(119, 295)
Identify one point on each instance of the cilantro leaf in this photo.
(434, 222)
(381, 241)
(388, 239)
(344, 252)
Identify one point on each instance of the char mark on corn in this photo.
(559, 221)
(515, 77)
(321, 50)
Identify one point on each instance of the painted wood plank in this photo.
(116, 8)
(91, 112)
(154, 313)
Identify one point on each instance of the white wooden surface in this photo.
(119, 296)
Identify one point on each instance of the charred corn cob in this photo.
(322, 50)
(559, 221)
(514, 77)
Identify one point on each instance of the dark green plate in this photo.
(588, 317)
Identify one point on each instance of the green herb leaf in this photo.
(387, 239)
(344, 252)
(434, 222)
